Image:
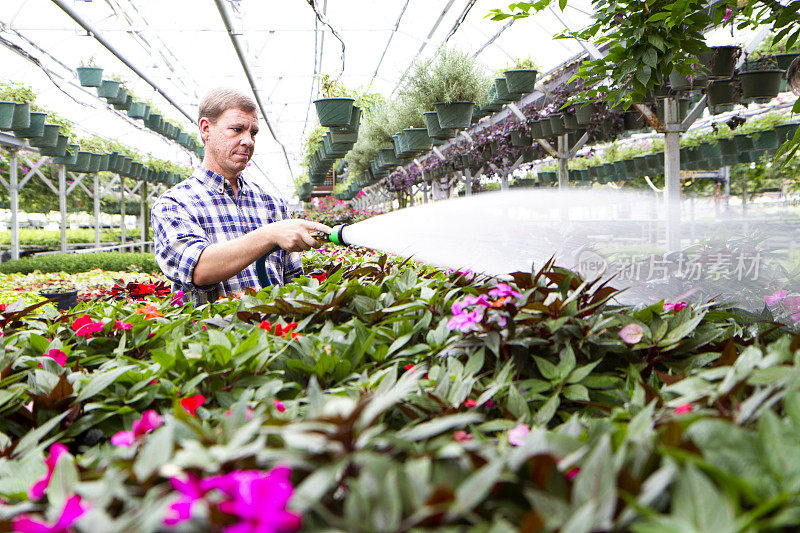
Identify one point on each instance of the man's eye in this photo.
(237, 130)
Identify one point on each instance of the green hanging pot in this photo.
(355, 121)
(334, 112)
(36, 128)
(785, 132)
(744, 142)
(520, 81)
(454, 115)
(22, 117)
(766, 140)
(722, 92)
(94, 162)
(109, 89)
(570, 121)
(59, 150)
(120, 100)
(710, 150)
(720, 62)
(417, 139)
(105, 160)
(82, 161)
(619, 170)
(125, 168)
(727, 147)
(7, 115)
(503, 95)
(183, 138)
(387, 158)
(547, 128)
(584, 112)
(435, 131)
(69, 158)
(760, 85)
(112, 161)
(90, 76)
(535, 127)
(49, 138)
(154, 121)
(557, 124)
(137, 110)
(520, 140)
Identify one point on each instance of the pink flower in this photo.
(458, 307)
(517, 435)
(504, 290)
(470, 403)
(150, 420)
(177, 298)
(775, 297)
(126, 326)
(462, 436)
(683, 408)
(796, 318)
(572, 473)
(279, 405)
(631, 334)
(258, 499)
(674, 307)
(85, 326)
(466, 321)
(728, 14)
(190, 490)
(192, 403)
(792, 303)
(59, 356)
(38, 488)
(72, 511)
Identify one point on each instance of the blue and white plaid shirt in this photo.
(201, 211)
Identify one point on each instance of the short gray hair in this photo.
(219, 100)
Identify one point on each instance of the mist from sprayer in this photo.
(597, 233)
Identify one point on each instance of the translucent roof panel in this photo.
(183, 46)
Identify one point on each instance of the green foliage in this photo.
(73, 263)
(331, 87)
(11, 91)
(523, 63)
(449, 76)
(40, 237)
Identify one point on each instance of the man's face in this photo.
(229, 142)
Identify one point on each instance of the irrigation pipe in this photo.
(650, 183)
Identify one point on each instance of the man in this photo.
(211, 228)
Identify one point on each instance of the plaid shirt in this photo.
(201, 211)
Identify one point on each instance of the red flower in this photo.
(470, 403)
(683, 408)
(191, 403)
(320, 277)
(409, 367)
(149, 311)
(59, 356)
(141, 289)
(462, 436)
(3, 308)
(279, 406)
(674, 307)
(123, 325)
(84, 326)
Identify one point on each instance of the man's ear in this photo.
(204, 129)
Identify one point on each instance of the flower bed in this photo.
(382, 395)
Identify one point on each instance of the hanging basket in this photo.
(352, 127)
(584, 112)
(520, 81)
(109, 89)
(503, 95)
(59, 150)
(760, 85)
(22, 117)
(434, 130)
(69, 158)
(455, 115)
(722, 92)
(334, 112)
(520, 140)
(36, 128)
(720, 62)
(766, 140)
(81, 164)
(387, 158)
(744, 142)
(679, 82)
(49, 138)
(90, 76)
(547, 129)
(570, 121)
(535, 127)
(557, 124)
(137, 110)
(417, 139)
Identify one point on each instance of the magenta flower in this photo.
(458, 307)
(125, 326)
(674, 307)
(72, 511)
(504, 290)
(59, 356)
(258, 499)
(792, 303)
(775, 297)
(150, 420)
(517, 435)
(683, 408)
(631, 334)
(190, 490)
(728, 14)
(38, 488)
(85, 326)
(177, 298)
(466, 321)
(279, 405)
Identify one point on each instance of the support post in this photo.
(504, 181)
(62, 205)
(96, 202)
(144, 219)
(727, 197)
(563, 162)
(672, 175)
(123, 237)
(14, 194)
(744, 193)
(468, 182)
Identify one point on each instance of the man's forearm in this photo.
(223, 260)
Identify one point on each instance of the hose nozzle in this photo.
(336, 235)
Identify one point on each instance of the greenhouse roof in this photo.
(184, 48)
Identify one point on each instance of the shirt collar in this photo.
(215, 181)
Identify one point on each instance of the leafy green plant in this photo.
(331, 87)
(11, 91)
(72, 263)
(453, 76)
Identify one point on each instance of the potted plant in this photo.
(334, 109)
(719, 62)
(36, 127)
(64, 295)
(521, 77)
(761, 79)
(723, 94)
(89, 74)
(456, 83)
(15, 106)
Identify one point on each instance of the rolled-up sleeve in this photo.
(292, 261)
(179, 241)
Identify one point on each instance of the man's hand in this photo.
(295, 235)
